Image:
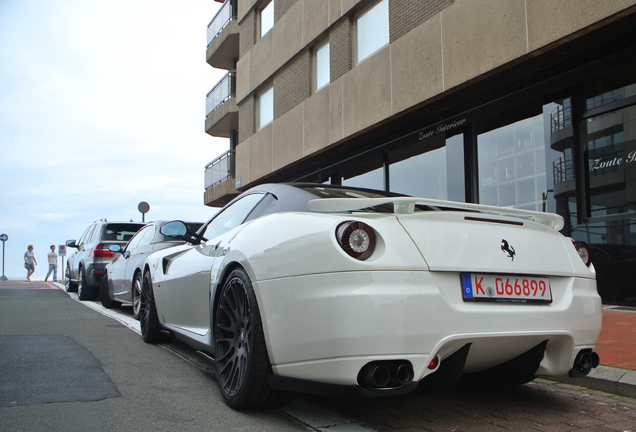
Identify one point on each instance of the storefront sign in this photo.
(440, 128)
(602, 163)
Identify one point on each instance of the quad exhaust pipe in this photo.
(583, 363)
(386, 374)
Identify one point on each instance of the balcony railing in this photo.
(219, 169)
(563, 169)
(560, 118)
(600, 161)
(222, 91)
(220, 20)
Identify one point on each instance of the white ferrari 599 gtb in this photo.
(355, 292)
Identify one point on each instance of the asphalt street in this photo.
(66, 367)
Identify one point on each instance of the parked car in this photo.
(354, 292)
(122, 278)
(615, 266)
(85, 266)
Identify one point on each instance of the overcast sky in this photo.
(102, 106)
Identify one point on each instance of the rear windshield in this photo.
(328, 191)
(343, 192)
(120, 231)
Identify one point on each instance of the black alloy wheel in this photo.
(241, 354)
(148, 318)
(136, 294)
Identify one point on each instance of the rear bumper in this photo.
(94, 274)
(326, 327)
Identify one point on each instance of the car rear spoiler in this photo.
(406, 205)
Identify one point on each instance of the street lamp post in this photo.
(3, 239)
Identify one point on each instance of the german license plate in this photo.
(505, 288)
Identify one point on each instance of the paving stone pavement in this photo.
(540, 406)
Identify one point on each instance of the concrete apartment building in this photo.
(522, 103)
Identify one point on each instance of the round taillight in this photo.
(356, 238)
(584, 251)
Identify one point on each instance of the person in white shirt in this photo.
(30, 262)
(52, 257)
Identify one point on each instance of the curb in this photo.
(621, 382)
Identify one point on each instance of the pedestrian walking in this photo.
(30, 262)
(52, 257)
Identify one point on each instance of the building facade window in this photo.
(322, 72)
(265, 107)
(267, 18)
(372, 30)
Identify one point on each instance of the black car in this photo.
(615, 266)
(122, 280)
(85, 267)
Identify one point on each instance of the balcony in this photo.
(221, 110)
(223, 38)
(561, 132)
(220, 187)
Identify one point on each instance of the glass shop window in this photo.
(512, 165)
(433, 168)
(610, 149)
(373, 179)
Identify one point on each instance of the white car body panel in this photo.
(325, 314)
(316, 322)
(449, 242)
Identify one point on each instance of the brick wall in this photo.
(340, 43)
(247, 31)
(292, 84)
(405, 15)
(247, 123)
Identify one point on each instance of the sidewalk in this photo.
(616, 346)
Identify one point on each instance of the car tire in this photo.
(136, 294)
(85, 291)
(242, 363)
(148, 318)
(68, 283)
(107, 302)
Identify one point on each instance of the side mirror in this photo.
(115, 248)
(176, 229)
(71, 244)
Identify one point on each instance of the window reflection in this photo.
(511, 165)
(370, 180)
(423, 175)
(611, 157)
